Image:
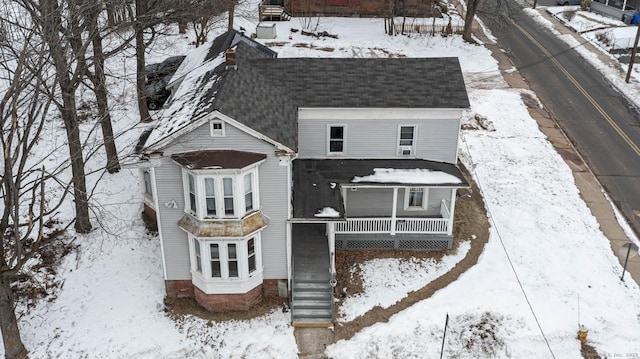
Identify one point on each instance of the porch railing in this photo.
(384, 225)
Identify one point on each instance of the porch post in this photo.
(394, 210)
(452, 209)
(331, 236)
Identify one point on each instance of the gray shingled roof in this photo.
(377, 83)
(264, 92)
(245, 96)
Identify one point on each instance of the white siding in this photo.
(373, 133)
(272, 191)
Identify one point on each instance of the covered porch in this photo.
(377, 197)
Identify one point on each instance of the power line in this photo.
(477, 179)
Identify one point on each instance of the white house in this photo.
(260, 168)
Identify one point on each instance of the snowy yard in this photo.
(546, 268)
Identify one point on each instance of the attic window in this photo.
(217, 128)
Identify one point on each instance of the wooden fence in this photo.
(428, 29)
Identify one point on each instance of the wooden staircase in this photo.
(311, 293)
(273, 13)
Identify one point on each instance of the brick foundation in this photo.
(179, 288)
(270, 287)
(228, 302)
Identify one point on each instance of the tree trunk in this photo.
(231, 11)
(68, 111)
(13, 346)
(113, 165)
(70, 119)
(468, 20)
(140, 47)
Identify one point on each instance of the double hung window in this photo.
(407, 140)
(248, 192)
(227, 184)
(192, 193)
(336, 136)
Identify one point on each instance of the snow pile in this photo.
(409, 176)
(327, 212)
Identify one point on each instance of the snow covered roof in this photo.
(211, 50)
(317, 182)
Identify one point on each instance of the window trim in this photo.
(407, 199)
(414, 140)
(217, 132)
(343, 139)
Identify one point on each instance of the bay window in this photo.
(232, 262)
(213, 194)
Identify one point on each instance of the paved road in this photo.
(601, 123)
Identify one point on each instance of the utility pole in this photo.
(633, 55)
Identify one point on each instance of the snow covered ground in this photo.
(546, 268)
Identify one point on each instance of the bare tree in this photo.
(98, 80)
(208, 11)
(389, 17)
(26, 212)
(150, 14)
(67, 49)
(472, 6)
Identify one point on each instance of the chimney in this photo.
(231, 58)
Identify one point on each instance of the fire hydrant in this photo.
(582, 334)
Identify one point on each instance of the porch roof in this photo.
(317, 182)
